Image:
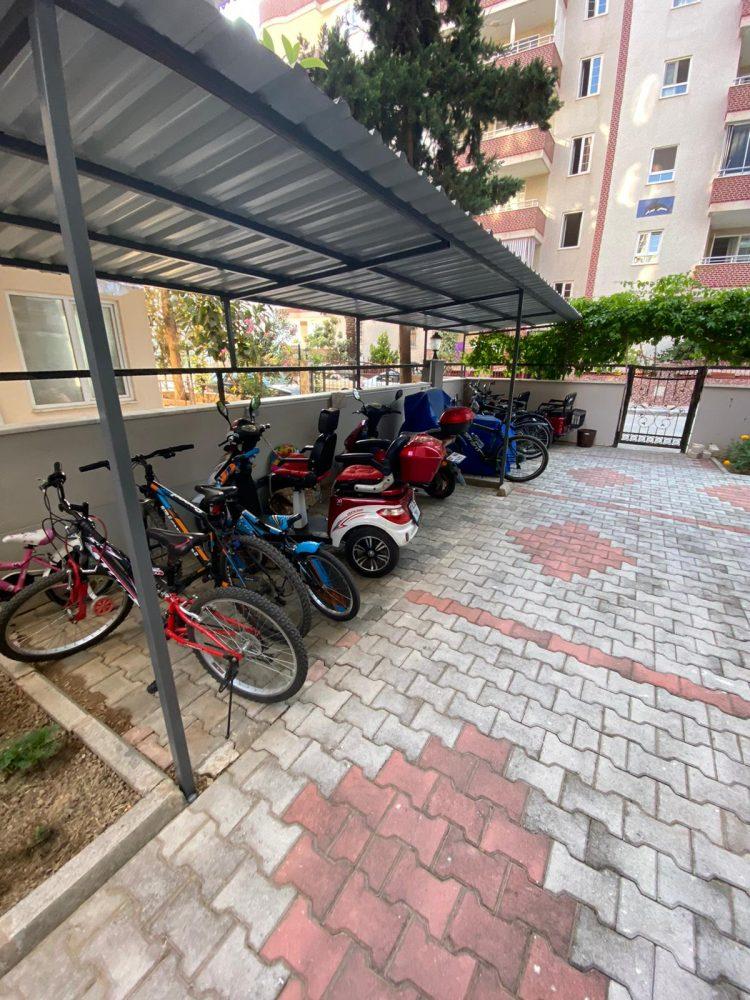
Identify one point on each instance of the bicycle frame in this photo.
(22, 567)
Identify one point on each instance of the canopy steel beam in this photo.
(14, 33)
(48, 67)
(512, 386)
(119, 24)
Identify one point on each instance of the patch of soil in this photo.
(94, 702)
(53, 810)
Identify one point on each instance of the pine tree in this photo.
(431, 85)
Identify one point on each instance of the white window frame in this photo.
(676, 4)
(671, 86)
(572, 246)
(562, 286)
(660, 177)
(77, 348)
(590, 93)
(641, 257)
(724, 170)
(597, 12)
(574, 140)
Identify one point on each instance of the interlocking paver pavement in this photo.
(522, 772)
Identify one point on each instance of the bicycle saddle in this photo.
(211, 492)
(176, 541)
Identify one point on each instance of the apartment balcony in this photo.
(729, 206)
(738, 105)
(745, 16)
(524, 219)
(523, 52)
(524, 152)
(724, 272)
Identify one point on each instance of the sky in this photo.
(246, 9)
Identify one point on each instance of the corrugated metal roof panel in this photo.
(244, 172)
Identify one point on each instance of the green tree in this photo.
(381, 352)
(327, 344)
(706, 323)
(430, 86)
(448, 346)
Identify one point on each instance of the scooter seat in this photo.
(295, 474)
(360, 474)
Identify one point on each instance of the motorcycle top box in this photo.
(455, 420)
(419, 459)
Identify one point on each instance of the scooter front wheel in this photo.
(371, 551)
(330, 585)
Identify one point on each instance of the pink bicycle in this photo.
(37, 561)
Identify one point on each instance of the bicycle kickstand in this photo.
(228, 682)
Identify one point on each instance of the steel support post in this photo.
(358, 349)
(512, 386)
(231, 342)
(56, 124)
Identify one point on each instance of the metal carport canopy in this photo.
(207, 164)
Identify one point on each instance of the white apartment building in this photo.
(646, 169)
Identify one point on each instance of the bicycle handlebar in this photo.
(169, 452)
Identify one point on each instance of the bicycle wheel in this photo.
(330, 585)
(272, 660)
(527, 459)
(36, 625)
(258, 566)
(538, 429)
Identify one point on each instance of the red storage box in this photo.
(419, 459)
(456, 420)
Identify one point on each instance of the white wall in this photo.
(600, 400)
(723, 414)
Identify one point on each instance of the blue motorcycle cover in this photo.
(422, 410)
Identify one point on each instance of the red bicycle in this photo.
(239, 637)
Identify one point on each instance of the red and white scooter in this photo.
(372, 513)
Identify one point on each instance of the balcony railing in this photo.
(737, 258)
(742, 81)
(526, 44)
(735, 171)
(496, 133)
(516, 206)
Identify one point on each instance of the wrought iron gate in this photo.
(659, 406)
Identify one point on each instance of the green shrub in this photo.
(738, 456)
(32, 748)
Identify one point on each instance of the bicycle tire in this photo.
(535, 429)
(516, 475)
(265, 609)
(294, 599)
(8, 611)
(346, 584)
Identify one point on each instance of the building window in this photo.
(564, 288)
(571, 230)
(580, 155)
(647, 247)
(676, 74)
(737, 154)
(663, 160)
(50, 339)
(595, 8)
(735, 249)
(591, 76)
(684, 3)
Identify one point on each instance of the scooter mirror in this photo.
(222, 408)
(254, 404)
(399, 393)
(357, 394)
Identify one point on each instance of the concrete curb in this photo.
(31, 919)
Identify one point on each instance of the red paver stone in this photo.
(294, 990)
(356, 981)
(467, 813)
(498, 942)
(367, 917)
(456, 766)
(431, 897)
(413, 780)
(432, 969)
(547, 976)
(737, 496)
(528, 849)
(311, 810)
(601, 477)
(510, 795)
(307, 948)
(378, 860)
(469, 865)
(570, 549)
(486, 986)
(422, 832)
(552, 915)
(364, 795)
(316, 671)
(495, 752)
(351, 841)
(349, 639)
(315, 876)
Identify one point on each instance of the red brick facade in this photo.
(723, 275)
(515, 220)
(268, 9)
(745, 9)
(530, 140)
(739, 98)
(547, 53)
(725, 189)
